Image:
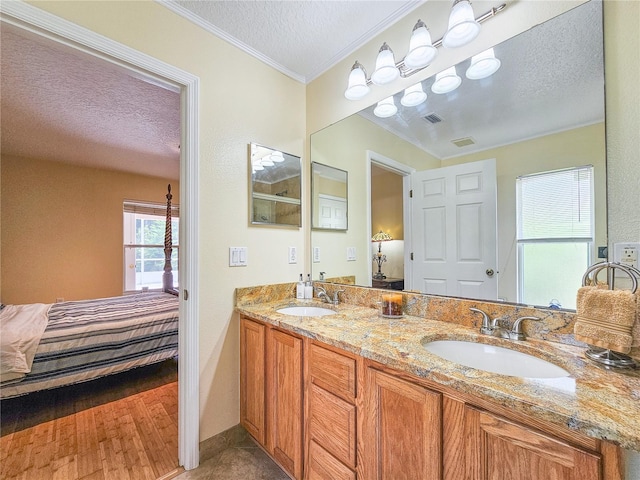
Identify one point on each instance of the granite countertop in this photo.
(600, 403)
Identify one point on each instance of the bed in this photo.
(45, 346)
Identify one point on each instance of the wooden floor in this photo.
(120, 427)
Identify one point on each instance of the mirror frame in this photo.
(314, 166)
(288, 200)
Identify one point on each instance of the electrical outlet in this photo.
(293, 255)
(626, 254)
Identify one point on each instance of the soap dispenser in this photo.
(308, 288)
(300, 289)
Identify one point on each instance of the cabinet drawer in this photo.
(333, 372)
(323, 466)
(332, 424)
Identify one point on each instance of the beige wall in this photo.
(386, 203)
(242, 100)
(62, 228)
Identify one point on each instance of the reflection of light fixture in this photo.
(463, 27)
(421, 50)
(413, 96)
(276, 156)
(446, 81)
(379, 258)
(266, 161)
(483, 65)
(386, 70)
(357, 87)
(385, 108)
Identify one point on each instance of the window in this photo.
(144, 230)
(555, 234)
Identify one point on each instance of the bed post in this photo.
(167, 276)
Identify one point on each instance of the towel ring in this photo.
(602, 356)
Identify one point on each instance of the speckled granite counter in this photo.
(597, 402)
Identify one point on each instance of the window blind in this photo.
(556, 205)
(149, 208)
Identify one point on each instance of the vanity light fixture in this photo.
(421, 49)
(266, 161)
(413, 96)
(385, 108)
(483, 65)
(462, 29)
(446, 81)
(386, 70)
(276, 157)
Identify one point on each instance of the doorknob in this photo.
(489, 272)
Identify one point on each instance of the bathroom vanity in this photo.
(353, 395)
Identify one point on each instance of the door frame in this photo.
(379, 160)
(154, 71)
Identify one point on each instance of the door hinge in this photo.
(185, 294)
(411, 193)
(411, 255)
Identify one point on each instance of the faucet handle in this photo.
(487, 325)
(336, 298)
(516, 332)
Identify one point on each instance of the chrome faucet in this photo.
(322, 294)
(491, 327)
(516, 332)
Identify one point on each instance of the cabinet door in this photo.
(499, 449)
(252, 379)
(284, 400)
(402, 436)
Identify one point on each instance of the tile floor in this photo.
(245, 461)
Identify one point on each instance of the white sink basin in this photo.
(494, 359)
(306, 311)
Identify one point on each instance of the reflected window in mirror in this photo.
(275, 186)
(329, 204)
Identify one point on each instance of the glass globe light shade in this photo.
(421, 50)
(483, 65)
(357, 87)
(463, 27)
(385, 108)
(386, 70)
(446, 81)
(413, 96)
(266, 161)
(276, 157)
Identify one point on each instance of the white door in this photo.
(332, 212)
(453, 216)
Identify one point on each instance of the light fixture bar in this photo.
(407, 72)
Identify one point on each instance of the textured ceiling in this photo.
(62, 105)
(551, 79)
(302, 39)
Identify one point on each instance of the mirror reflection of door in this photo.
(453, 213)
(332, 212)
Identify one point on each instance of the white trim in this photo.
(155, 71)
(405, 171)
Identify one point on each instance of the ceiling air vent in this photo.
(432, 118)
(463, 142)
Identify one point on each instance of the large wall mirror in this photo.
(329, 205)
(542, 111)
(275, 187)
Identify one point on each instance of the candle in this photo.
(392, 305)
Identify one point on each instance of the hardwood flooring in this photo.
(121, 427)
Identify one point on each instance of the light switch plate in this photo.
(238, 256)
(351, 254)
(293, 255)
(316, 254)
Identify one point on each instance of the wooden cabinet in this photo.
(402, 428)
(271, 396)
(252, 378)
(498, 448)
(284, 400)
(330, 414)
(361, 420)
